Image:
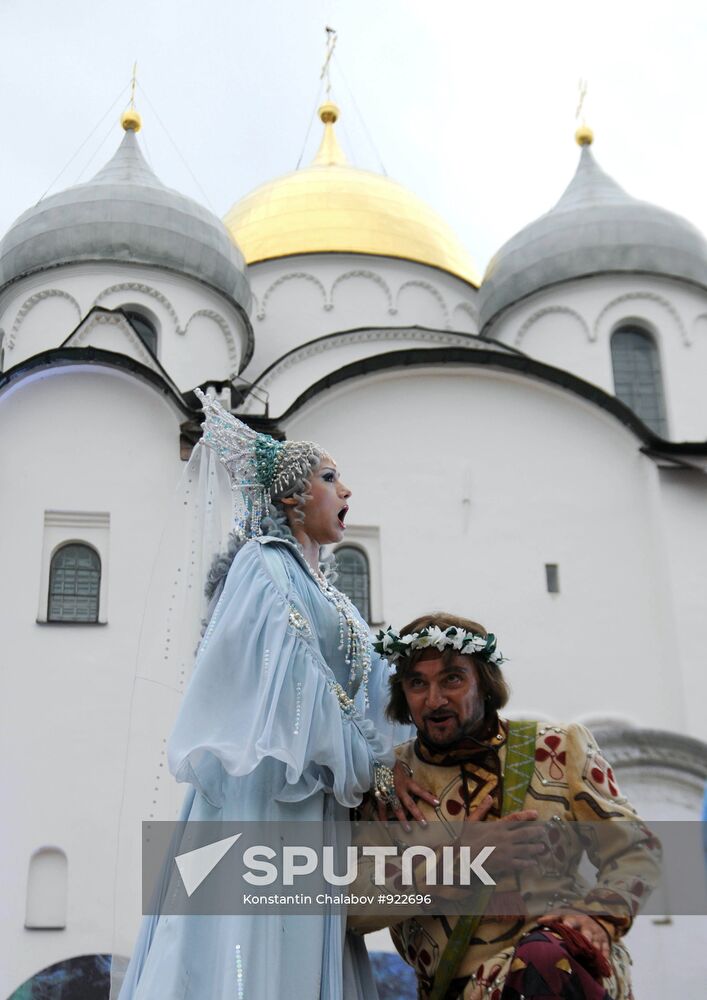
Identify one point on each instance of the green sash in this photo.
(518, 770)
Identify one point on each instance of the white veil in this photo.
(196, 528)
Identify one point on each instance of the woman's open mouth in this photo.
(342, 514)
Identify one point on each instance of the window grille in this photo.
(637, 378)
(552, 578)
(143, 328)
(74, 584)
(355, 578)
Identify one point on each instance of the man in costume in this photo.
(544, 933)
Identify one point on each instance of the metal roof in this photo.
(595, 228)
(125, 214)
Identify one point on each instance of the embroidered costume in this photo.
(569, 780)
(262, 735)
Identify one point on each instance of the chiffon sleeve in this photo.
(261, 689)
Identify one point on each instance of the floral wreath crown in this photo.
(392, 645)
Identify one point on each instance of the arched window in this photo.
(46, 890)
(74, 584)
(637, 379)
(144, 328)
(86, 977)
(355, 578)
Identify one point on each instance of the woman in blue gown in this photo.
(283, 720)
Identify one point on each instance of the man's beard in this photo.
(471, 728)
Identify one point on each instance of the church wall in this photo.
(683, 501)
(570, 326)
(300, 298)
(73, 440)
(200, 333)
(295, 373)
(476, 480)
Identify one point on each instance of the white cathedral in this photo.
(528, 450)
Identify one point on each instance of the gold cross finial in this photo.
(584, 135)
(331, 37)
(582, 91)
(130, 119)
(133, 83)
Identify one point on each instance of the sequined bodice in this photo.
(342, 635)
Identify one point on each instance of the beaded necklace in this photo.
(354, 638)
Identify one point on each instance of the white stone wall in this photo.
(282, 384)
(73, 441)
(297, 299)
(570, 326)
(476, 480)
(681, 512)
(468, 480)
(200, 332)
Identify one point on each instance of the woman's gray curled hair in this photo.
(297, 462)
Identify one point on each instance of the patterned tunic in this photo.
(571, 780)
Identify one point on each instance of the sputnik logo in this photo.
(195, 866)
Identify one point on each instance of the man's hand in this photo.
(595, 933)
(516, 839)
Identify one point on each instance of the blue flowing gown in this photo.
(261, 736)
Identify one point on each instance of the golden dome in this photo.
(332, 207)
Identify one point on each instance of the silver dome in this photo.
(595, 228)
(125, 214)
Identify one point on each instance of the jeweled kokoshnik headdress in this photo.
(392, 645)
(258, 466)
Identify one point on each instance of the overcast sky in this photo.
(469, 105)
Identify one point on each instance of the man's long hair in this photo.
(492, 683)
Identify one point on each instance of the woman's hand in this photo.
(404, 806)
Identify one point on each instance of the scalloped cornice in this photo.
(225, 330)
(428, 287)
(659, 300)
(29, 304)
(370, 276)
(548, 311)
(139, 286)
(291, 276)
(362, 336)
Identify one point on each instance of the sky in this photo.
(471, 106)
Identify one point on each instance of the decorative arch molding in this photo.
(653, 297)
(630, 746)
(224, 328)
(465, 307)
(137, 286)
(697, 327)
(291, 276)
(429, 287)
(371, 276)
(29, 304)
(79, 338)
(548, 311)
(365, 336)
